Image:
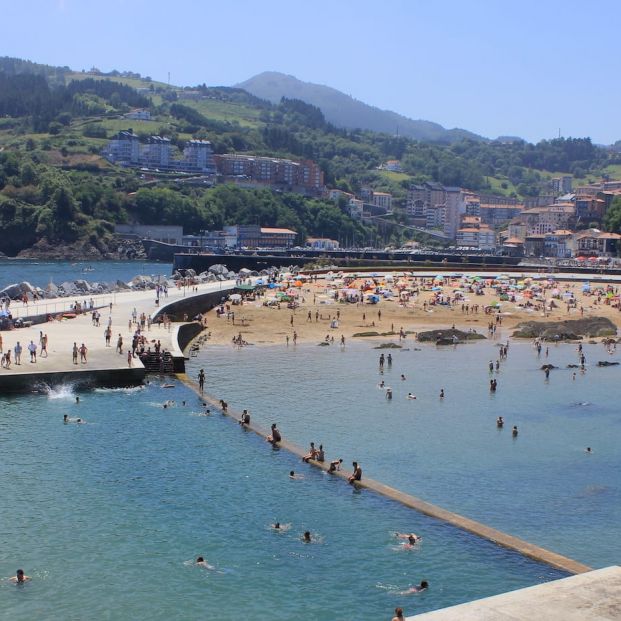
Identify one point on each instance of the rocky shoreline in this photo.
(81, 287)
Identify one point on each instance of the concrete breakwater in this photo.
(498, 537)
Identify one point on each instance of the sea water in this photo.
(541, 486)
(107, 517)
(41, 273)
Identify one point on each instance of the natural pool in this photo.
(107, 517)
(542, 486)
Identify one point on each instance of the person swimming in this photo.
(293, 475)
(201, 562)
(589, 450)
(20, 577)
(402, 377)
(382, 384)
(276, 526)
(441, 393)
(411, 396)
(306, 537)
(500, 422)
(514, 431)
(65, 418)
(423, 586)
(411, 537)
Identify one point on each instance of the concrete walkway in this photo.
(595, 596)
(62, 334)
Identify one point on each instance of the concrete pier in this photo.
(104, 366)
(595, 596)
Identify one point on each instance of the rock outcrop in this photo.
(568, 330)
(448, 336)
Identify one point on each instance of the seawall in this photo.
(82, 379)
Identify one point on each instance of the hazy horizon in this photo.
(530, 70)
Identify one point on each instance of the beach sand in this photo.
(263, 325)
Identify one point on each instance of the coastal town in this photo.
(562, 223)
(310, 312)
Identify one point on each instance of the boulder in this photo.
(82, 286)
(450, 335)
(51, 291)
(568, 330)
(231, 276)
(17, 290)
(190, 273)
(121, 286)
(67, 288)
(218, 269)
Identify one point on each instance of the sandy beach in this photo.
(262, 321)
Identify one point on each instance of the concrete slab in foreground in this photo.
(595, 595)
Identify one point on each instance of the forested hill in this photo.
(344, 111)
(56, 189)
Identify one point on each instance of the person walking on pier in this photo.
(119, 344)
(83, 352)
(32, 348)
(18, 353)
(201, 379)
(108, 335)
(74, 351)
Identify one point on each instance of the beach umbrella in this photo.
(436, 288)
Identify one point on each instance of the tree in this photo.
(612, 219)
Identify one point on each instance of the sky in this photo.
(532, 69)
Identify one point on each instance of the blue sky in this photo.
(494, 67)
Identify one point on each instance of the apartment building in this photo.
(157, 153)
(305, 175)
(541, 220)
(124, 148)
(198, 156)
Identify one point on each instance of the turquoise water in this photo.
(107, 516)
(39, 273)
(541, 486)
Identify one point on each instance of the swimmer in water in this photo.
(306, 537)
(20, 577)
(293, 475)
(411, 396)
(77, 400)
(276, 526)
(389, 393)
(514, 431)
(423, 586)
(65, 418)
(201, 562)
(402, 377)
(589, 450)
(441, 393)
(500, 421)
(381, 384)
(411, 537)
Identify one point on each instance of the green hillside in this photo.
(55, 188)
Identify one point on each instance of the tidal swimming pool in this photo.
(108, 516)
(541, 486)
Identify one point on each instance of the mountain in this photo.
(344, 111)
